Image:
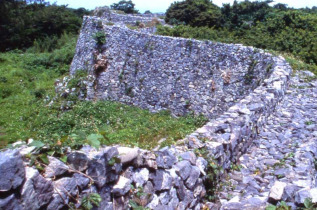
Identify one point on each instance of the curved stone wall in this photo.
(171, 178)
(155, 72)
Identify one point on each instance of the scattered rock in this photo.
(165, 159)
(36, 191)
(78, 161)
(81, 181)
(201, 163)
(127, 155)
(64, 189)
(277, 191)
(55, 168)
(154, 202)
(301, 195)
(183, 169)
(141, 176)
(189, 156)
(11, 169)
(289, 193)
(313, 194)
(10, 202)
(97, 171)
(162, 180)
(193, 177)
(122, 186)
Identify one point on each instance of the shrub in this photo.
(39, 93)
(3, 79)
(100, 37)
(154, 22)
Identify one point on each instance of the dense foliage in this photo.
(194, 13)
(255, 23)
(125, 6)
(23, 22)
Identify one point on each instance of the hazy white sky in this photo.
(162, 5)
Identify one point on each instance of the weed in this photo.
(90, 200)
(212, 178)
(100, 38)
(309, 122)
(139, 199)
(109, 23)
(269, 68)
(281, 206)
(189, 45)
(249, 76)
(132, 27)
(99, 24)
(236, 167)
(309, 205)
(129, 91)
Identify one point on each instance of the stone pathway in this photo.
(280, 164)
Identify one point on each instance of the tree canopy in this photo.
(23, 22)
(125, 6)
(254, 23)
(194, 13)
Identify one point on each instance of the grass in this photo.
(120, 124)
(27, 86)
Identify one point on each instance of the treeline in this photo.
(24, 22)
(255, 23)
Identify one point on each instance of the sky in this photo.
(162, 5)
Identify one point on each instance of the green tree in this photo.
(281, 6)
(147, 12)
(125, 6)
(23, 22)
(194, 13)
(245, 13)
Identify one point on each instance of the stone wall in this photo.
(171, 178)
(229, 135)
(155, 72)
(165, 179)
(131, 19)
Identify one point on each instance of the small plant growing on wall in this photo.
(189, 45)
(100, 38)
(91, 200)
(249, 76)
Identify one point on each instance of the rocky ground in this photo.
(280, 164)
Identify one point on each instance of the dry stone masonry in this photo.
(238, 88)
(281, 162)
(155, 72)
(133, 20)
(165, 179)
